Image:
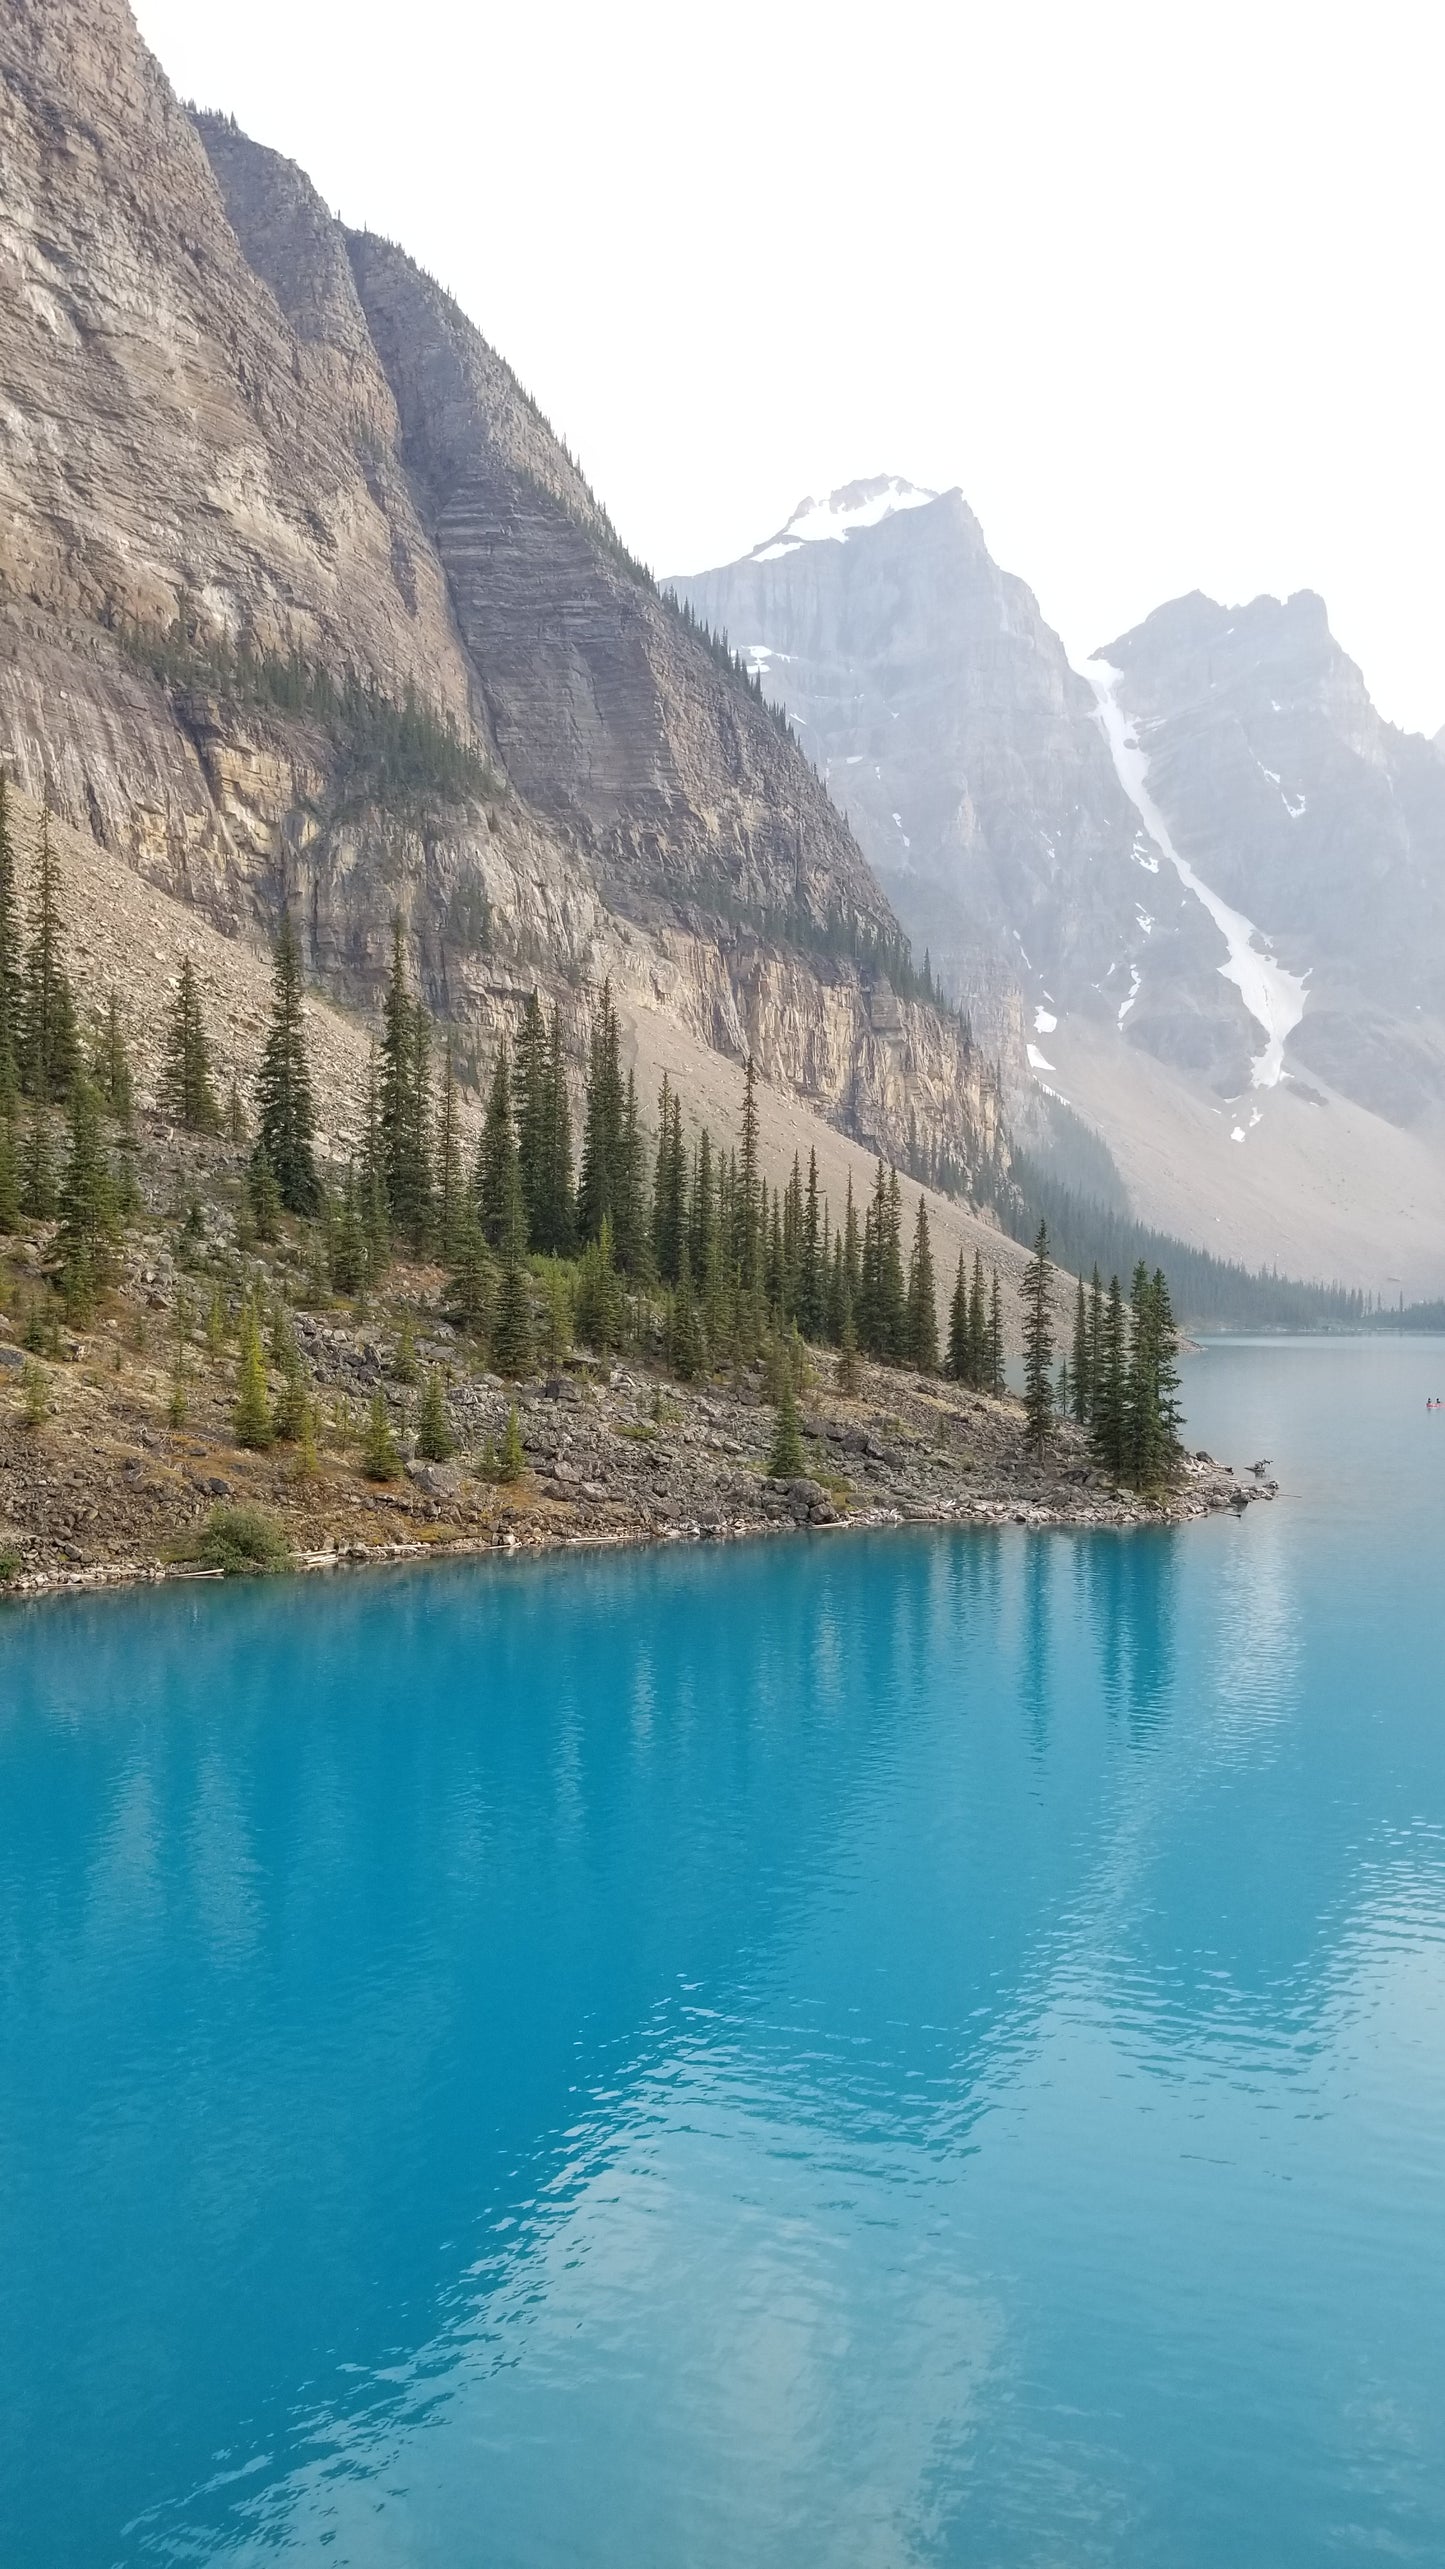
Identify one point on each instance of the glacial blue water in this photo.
(921, 2048)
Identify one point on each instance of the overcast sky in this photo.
(1158, 283)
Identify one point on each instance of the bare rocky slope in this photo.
(230, 430)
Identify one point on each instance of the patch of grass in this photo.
(10, 1567)
(241, 1542)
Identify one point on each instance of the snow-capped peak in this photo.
(842, 513)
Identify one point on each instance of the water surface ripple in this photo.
(871, 2050)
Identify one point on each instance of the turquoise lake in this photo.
(854, 2051)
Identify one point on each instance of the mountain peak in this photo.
(842, 513)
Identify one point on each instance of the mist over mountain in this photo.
(1195, 889)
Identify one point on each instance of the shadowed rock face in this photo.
(215, 404)
(1325, 824)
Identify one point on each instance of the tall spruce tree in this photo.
(49, 1046)
(994, 1352)
(512, 1341)
(958, 1360)
(188, 1087)
(632, 1220)
(9, 1169)
(669, 1187)
(922, 1317)
(1038, 1336)
(533, 1134)
(599, 1185)
(286, 1138)
(85, 1238)
(450, 1190)
(1111, 1382)
(10, 976)
(498, 1165)
(1081, 1387)
(404, 1101)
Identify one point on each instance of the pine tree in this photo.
(747, 1207)
(49, 1048)
(632, 1224)
(669, 1188)
(922, 1314)
(787, 1461)
(434, 1440)
(1038, 1338)
(373, 1200)
(251, 1422)
(112, 1073)
(380, 1460)
(449, 1187)
(1110, 1423)
(534, 1118)
(598, 1186)
(287, 1118)
(993, 1354)
(471, 1299)
(85, 1240)
(10, 977)
(1170, 1416)
(557, 1230)
(849, 1373)
(263, 1195)
(1082, 1388)
(186, 1077)
(498, 1166)
(686, 1342)
(599, 1300)
(980, 1373)
(512, 1351)
(9, 1170)
(403, 1107)
(293, 1401)
(958, 1363)
(512, 1461)
(812, 1260)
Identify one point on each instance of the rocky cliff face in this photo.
(225, 421)
(1285, 789)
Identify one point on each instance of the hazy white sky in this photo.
(1158, 282)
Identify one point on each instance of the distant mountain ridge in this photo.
(1198, 889)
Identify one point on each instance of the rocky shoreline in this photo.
(105, 1492)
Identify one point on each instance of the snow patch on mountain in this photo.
(841, 514)
(1275, 998)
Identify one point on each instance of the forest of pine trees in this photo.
(675, 1247)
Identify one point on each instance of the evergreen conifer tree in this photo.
(188, 1087)
(747, 1210)
(373, 1198)
(10, 978)
(449, 1187)
(958, 1362)
(632, 1223)
(1110, 1422)
(599, 1300)
(533, 1118)
(922, 1321)
(112, 1073)
(251, 1422)
(686, 1345)
(9, 1170)
(512, 1461)
(380, 1460)
(293, 1401)
(498, 1166)
(599, 1185)
(812, 1260)
(849, 1372)
(403, 1102)
(287, 1117)
(1081, 1389)
(787, 1461)
(557, 1231)
(512, 1351)
(37, 1179)
(85, 1240)
(993, 1357)
(1038, 1338)
(263, 1195)
(49, 1047)
(472, 1299)
(434, 1440)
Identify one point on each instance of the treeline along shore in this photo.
(221, 1349)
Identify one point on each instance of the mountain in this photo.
(301, 599)
(1193, 892)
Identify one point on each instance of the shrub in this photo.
(9, 1567)
(242, 1542)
